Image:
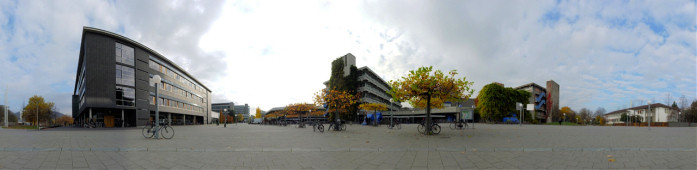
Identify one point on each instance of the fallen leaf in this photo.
(367, 141)
(462, 152)
(611, 160)
(609, 156)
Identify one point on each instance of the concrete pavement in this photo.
(360, 147)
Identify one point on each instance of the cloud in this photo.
(273, 53)
(40, 40)
(611, 44)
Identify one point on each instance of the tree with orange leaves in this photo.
(338, 102)
(299, 109)
(432, 88)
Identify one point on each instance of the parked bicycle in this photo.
(395, 124)
(435, 128)
(166, 131)
(337, 126)
(458, 125)
(89, 124)
(318, 126)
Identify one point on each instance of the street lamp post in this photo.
(156, 80)
(474, 107)
(225, 118)
(37, 116)
(649, 114)
(564, 119)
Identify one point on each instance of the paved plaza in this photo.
(242, 146)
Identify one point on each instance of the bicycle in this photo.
(395, 124)
(435, 128)
(166, 131)
(317, 126)
(458, 125)
(89, 124)
(337, 126)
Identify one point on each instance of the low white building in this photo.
(659, 113)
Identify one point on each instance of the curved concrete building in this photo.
(112, 84)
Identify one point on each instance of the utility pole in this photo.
(6, 107)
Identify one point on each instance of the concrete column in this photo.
(169, 119)
(90, 114)
(184, 118)
(122, 120)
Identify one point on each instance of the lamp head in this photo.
(155, 79)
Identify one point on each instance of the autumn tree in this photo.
(64, 120)
(424, 84)
(599, 120)
(338, 102)
(375, 107)
(345, 82)
(37, 105)
(258, 114)
(584, 115)
(299, 109)
(569, 113)
(496, 102)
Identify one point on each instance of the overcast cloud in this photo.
(273, 53)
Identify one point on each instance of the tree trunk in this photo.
(428, 115)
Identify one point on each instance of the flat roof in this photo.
(114, 35)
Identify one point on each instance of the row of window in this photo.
(81, 85)
(125, 96)
(176, 90)
(125, 75)
(168, 72)
(124, 54)
(176, 104)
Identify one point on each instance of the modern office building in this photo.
(112, 84)
(372, 88)
(546, 100)
(239, 110)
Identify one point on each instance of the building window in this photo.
(125, 96)
(124, 54)
(125, 75)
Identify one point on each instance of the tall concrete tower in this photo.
(552, 99)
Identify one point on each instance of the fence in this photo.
(653, 124)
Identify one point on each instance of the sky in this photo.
(610, 54)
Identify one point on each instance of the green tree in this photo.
(497, 102)
(424, 84)
(348, 84)
(37, 104)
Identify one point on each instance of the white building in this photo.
(659, 113)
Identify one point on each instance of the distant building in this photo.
(239, 110)
(546, 100)
(372, 88)
(659, 113)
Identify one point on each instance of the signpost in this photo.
(531, 107)
(519, 106)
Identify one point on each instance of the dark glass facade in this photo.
(115, 92)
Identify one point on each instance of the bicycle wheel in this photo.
(320, 128)
(453, 125)
(343, 127)
(148, 131)
(167, 132)
(435, 129)
(421, 128)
